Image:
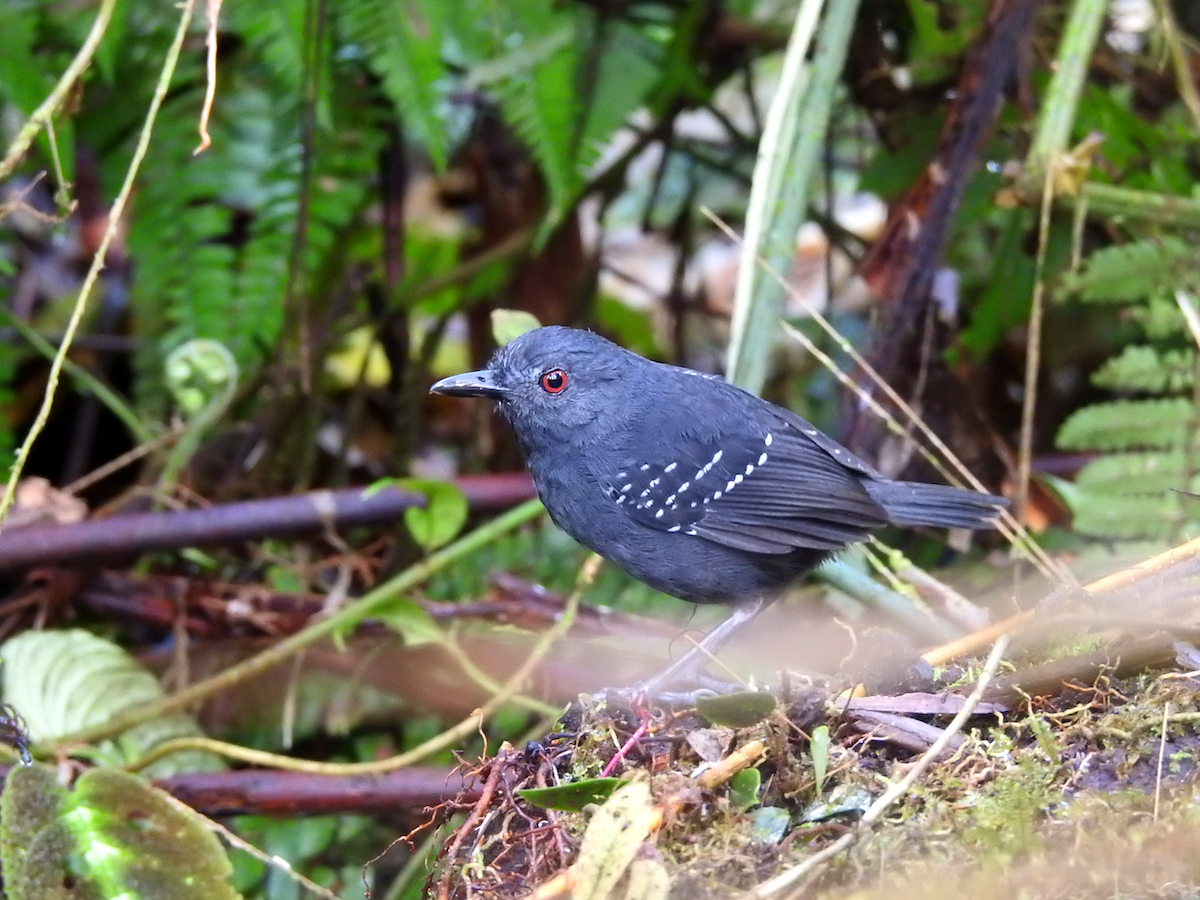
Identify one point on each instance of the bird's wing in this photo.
(774, 491)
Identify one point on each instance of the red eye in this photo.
(554, 381)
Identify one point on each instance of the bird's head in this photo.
(553, 384)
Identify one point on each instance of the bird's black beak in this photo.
(470, 384)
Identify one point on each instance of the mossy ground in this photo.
(1066, 795)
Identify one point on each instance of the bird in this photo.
(690, 484)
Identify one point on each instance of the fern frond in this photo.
(630, 65)
(1126, 517)
(1136, 473)
(1159, 317)
(402, 44)
(275, 34)
(1144, 369)
(1126, 272)
(1128, 425)
(535, 86)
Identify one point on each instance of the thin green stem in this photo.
(87, 381)
(115, 217)
(340, 621)
(43, 114)
(1053, 131)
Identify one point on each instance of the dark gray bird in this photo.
(693, 486)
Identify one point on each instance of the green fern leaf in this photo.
(1159, 317)
(1128, 425)
(1135, 473)
(1126, 517)
(275, 33)
(1131, 271)
(535, 86)
(1145, 369)
(630, 65)
(402, 43)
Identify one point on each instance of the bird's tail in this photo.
(912, 503)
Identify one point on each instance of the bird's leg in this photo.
(686, 670)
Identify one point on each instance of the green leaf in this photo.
(443, 517)
(613, 840)
(1125, 517)
(444, 513)
(769, 824)
(403, 45)
(740, 710)
(114, 836)
(510, 324)
(1127, 425)
(743, 789)
(65, 681)
(535, 85)
(1126, 272)
(629, 65)
(573, 796)
(1152, 472)
(1148, 370)
(409, 619)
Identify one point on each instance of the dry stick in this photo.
(1162, 748)
(1012, 529)
(447, 738)
(213, 11)
(114, 220)
(44, 113)
(125, 459)
(786, 879)
(1124, 578)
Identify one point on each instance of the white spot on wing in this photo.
(671, 467)
(767, 440)
(674, 528)
(659, 514)
(683, 487)
(762, 460)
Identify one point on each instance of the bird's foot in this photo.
(658, 691)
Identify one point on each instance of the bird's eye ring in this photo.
(554, 381)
